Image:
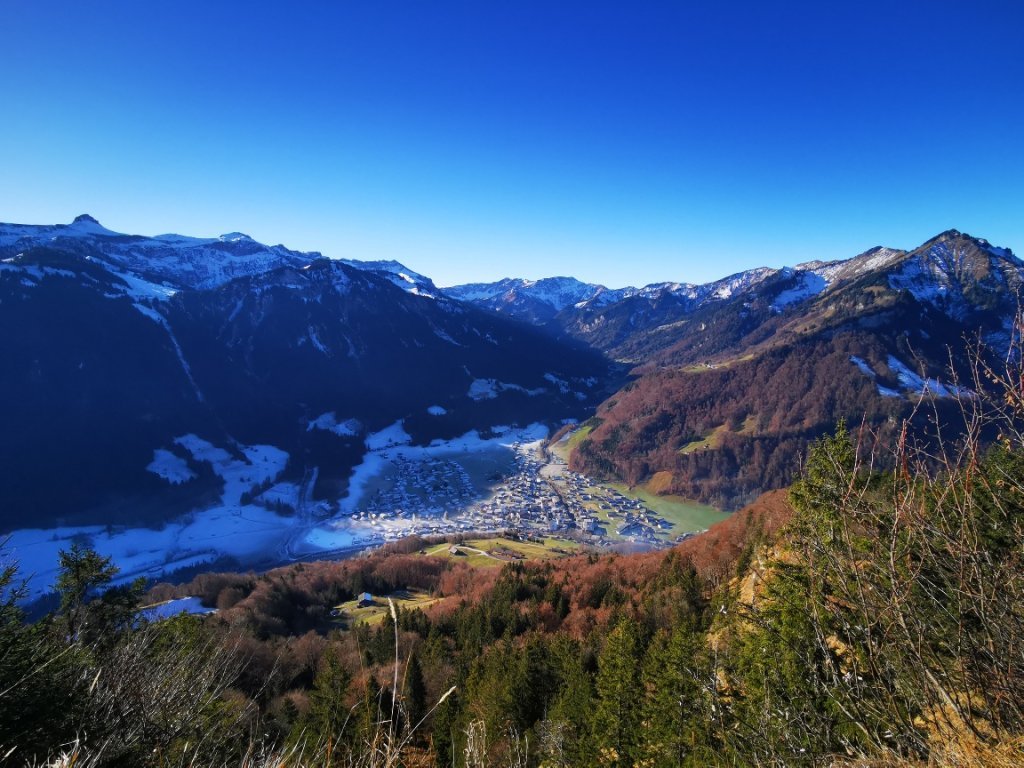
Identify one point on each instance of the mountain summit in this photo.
(733, 385)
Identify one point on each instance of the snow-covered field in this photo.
(247, 532)
(910, 381)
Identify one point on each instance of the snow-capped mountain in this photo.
(117, 346)
(958, 274)
(951, 271)
(176, 260)
(535, 301)
(179, 261)
(731, 390)
(398, 274)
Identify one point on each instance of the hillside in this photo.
(811, 628)
(723, 409)
(118, 348)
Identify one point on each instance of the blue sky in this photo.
(622, 143)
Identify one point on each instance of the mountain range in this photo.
(118, 347)
(733, 379)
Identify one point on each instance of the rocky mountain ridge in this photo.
(949, 271)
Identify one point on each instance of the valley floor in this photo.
(509, 482)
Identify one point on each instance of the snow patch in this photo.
(483, 389)
(488, 389)
(151, 313)
(388, 437)
(191, 605)
(32, 274)
(809, 285)
(170, 467)
(864, 367)
(445, 337)
(436, 410)
(915, 383)
(137, 288)
(315, 340)
(247, 533)
(261, 463)
(281, 493)
(329, 423)
(562, 384)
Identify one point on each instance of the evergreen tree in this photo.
(83, 573)
(329, 718)
(415, 692)
(616, 718)
(673, 716)
(572, 707)
(37, 679)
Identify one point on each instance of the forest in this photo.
(871, 614)
(753, 419)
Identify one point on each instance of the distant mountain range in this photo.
(735, 377)
(116, 346)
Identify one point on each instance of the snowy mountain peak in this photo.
(949, 234)
(953, 240)
(535, 300)
(954, 272)
(177, 260)
(399, 274)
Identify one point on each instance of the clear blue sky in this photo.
(620, 142)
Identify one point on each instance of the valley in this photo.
(509, 483)
(511, 385)
(216, 402)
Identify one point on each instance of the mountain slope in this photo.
(727, 400)
(535, 301)
(118, 346)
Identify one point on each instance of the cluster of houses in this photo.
(538, 497)
(595, 508)
(534, 499)
(432, 488)
(525, 501)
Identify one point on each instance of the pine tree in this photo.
(572, 708)
(83, 573)
(617, 714)
(673, 718)
(415, 692)
(329, 718)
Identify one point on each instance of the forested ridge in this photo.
(728, 397)
(864, 617)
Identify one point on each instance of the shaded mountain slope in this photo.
(106, 365)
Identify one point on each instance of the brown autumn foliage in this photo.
(286, 611)
(725, 434)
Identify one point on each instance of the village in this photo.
(537, 496)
